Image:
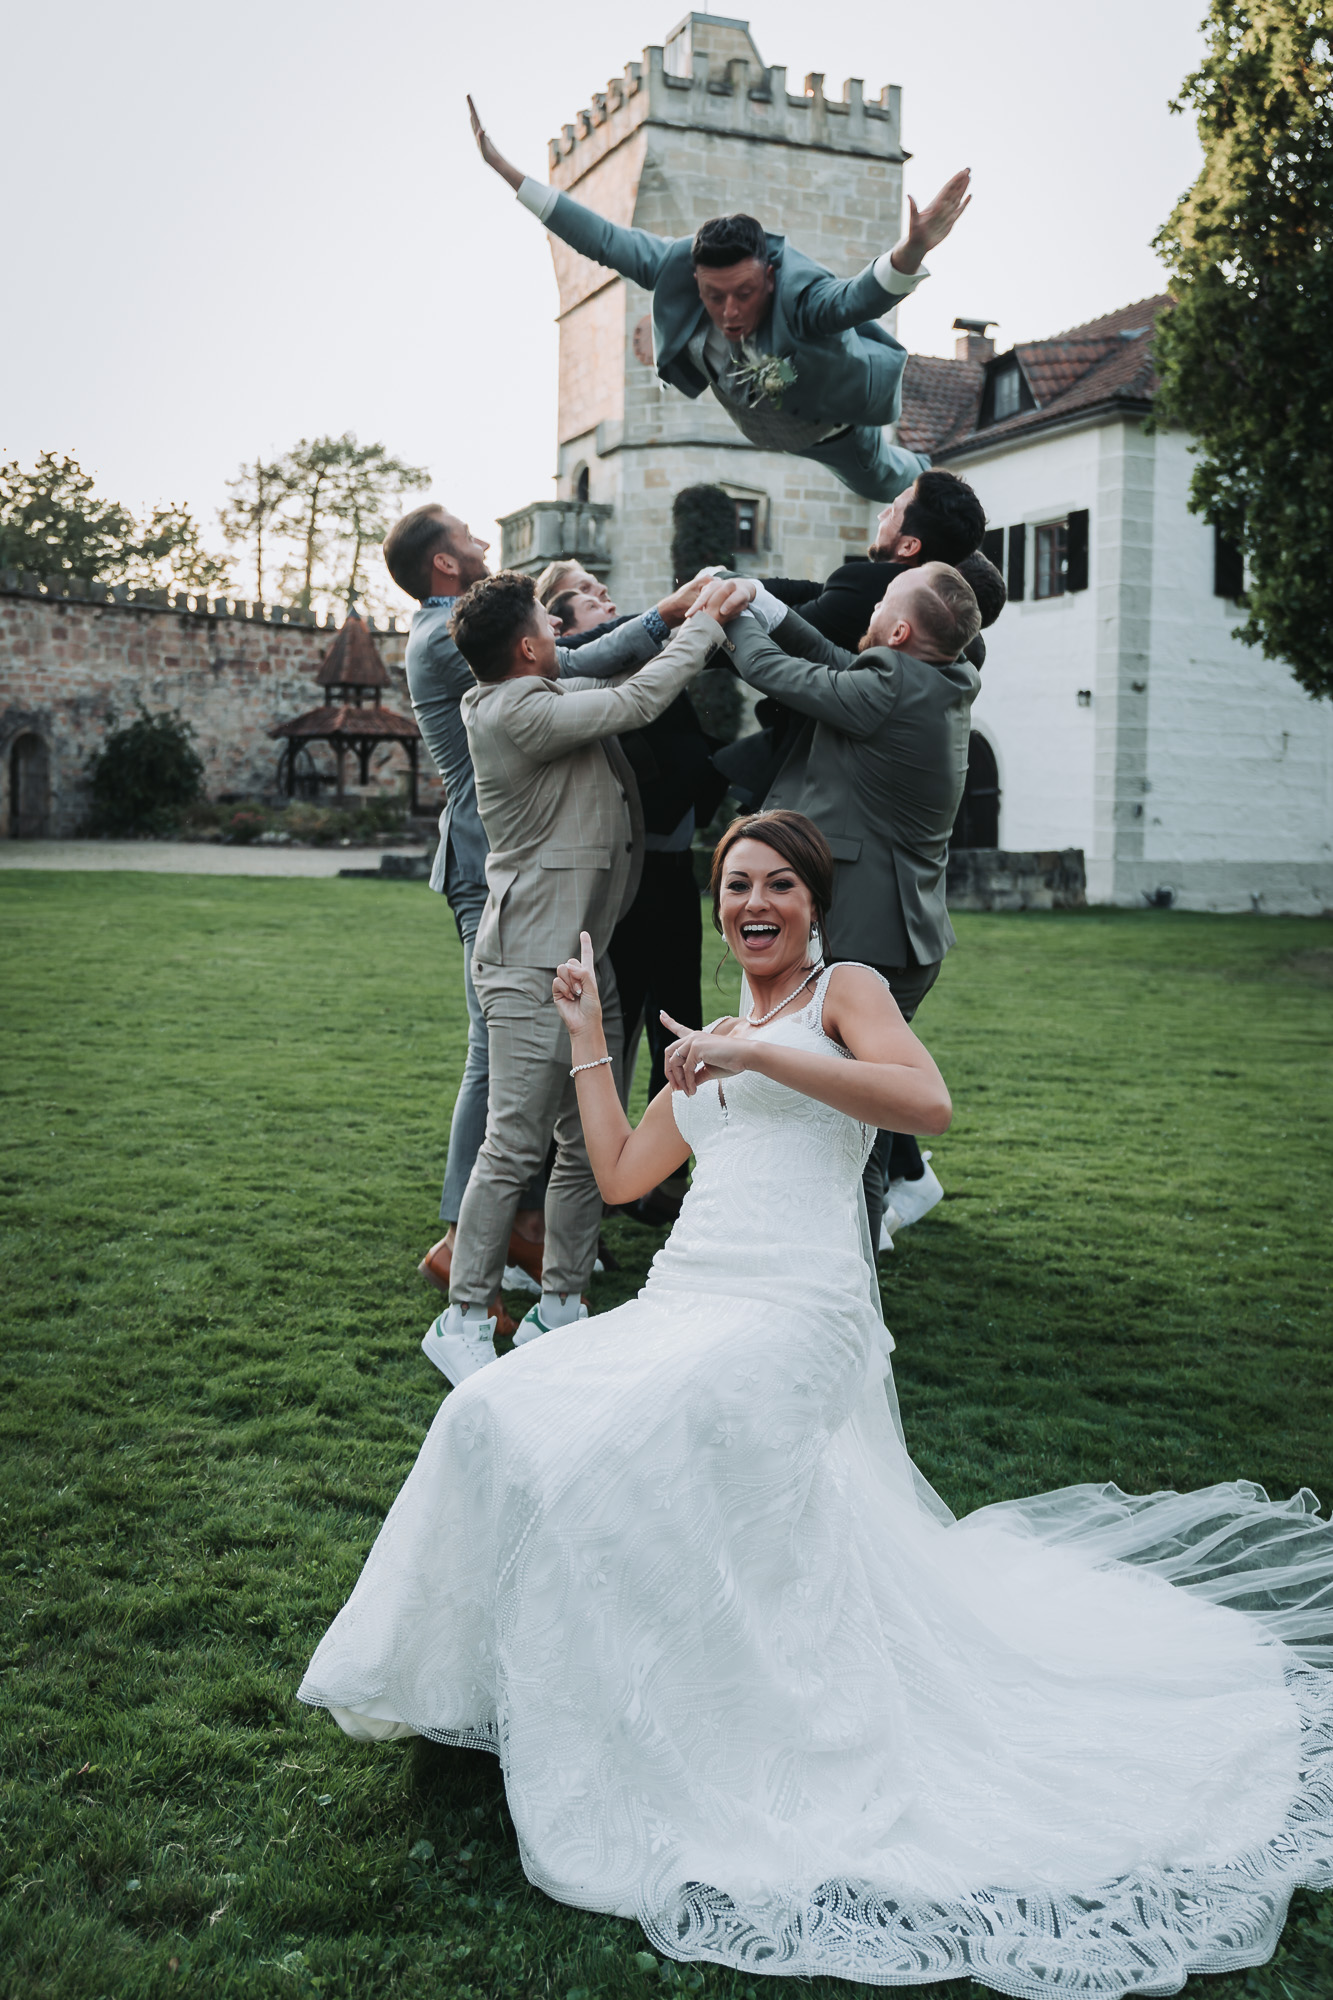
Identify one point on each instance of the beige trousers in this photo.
(532, 1095)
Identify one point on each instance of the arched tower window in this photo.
(978, 822)
(29, 788)
(581, 483)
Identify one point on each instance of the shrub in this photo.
(145, 774)
(703, 530)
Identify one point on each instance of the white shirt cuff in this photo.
(768, 610)
(541, 200)
(887, 274)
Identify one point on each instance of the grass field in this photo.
(225, 1104)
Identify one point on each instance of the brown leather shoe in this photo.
(436, 1265)
(526, 1254)
(505, 1327)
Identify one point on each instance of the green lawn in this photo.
(225, 1105)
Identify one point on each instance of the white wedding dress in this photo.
(752, 1684)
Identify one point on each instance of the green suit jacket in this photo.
(880, 768)
(849, 370)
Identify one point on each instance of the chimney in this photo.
(975, 343)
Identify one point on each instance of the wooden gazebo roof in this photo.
(352, 661)
(352, 667)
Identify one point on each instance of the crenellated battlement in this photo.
(708, 76)
(77, 590)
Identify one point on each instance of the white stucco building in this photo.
(1121, 715)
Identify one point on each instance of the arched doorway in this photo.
(978, 822)
(29, 788)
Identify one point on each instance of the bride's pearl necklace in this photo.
(750, 1021)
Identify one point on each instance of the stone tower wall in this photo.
(705, 128)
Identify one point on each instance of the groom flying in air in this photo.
(795, 356)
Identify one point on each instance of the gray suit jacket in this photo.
(438, 677)
(849, 369)
(880, 768)
(555, 800)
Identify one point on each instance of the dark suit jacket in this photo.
(842, 608)
(879, 766)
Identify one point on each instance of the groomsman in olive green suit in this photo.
(796, 357)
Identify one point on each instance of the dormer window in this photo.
(1008, 392)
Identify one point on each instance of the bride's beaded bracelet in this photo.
(592, 1065)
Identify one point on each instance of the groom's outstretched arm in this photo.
(635, 253)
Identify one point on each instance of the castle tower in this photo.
(700, 127)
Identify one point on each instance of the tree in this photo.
(703, 530)
(258, 495)
(1245, 358)
(53, 523)
(311, 518)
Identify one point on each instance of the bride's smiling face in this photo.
(765, 910)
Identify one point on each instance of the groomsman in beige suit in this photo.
(561, 813)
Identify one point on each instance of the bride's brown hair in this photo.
(793, 836)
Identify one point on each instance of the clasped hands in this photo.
(696, 1056)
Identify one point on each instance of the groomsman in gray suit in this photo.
(435, 557)
(561, 814)
(879, 766)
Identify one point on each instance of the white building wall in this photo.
(1040, 654)
(1240, 759)
(1198, 767)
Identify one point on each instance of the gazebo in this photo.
(351, 671)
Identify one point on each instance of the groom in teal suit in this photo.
(796, 357)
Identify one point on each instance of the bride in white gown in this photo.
(749, 1680)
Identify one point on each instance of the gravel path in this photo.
(191, 857)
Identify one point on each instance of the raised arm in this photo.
(547, 723)
(831, 305)
(855, 696)
(628, 644)
(892, 1081)
(635, 253)
(626, 1160)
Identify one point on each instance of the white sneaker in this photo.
(910, 1200)
(891, 1221)
(457, 1349)
(532, 1326)
(516, 1279)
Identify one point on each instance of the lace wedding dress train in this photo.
(752, 1684)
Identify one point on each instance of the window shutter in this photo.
(1018, 538)
(1076, 550)
(992, 546)
(1228, 567)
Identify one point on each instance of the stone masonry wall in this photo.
(67, 667)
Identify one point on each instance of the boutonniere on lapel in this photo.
(763, 377)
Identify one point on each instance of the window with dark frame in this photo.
(1228, 567)
(581, 483)
(1051, 540)
(1007, 393)
(747, 526)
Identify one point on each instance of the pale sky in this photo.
(230, 227)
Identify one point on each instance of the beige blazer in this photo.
(555, 800)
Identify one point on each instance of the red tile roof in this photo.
(348, 720)
(1106, 362)
(939, 398)
(352, 660)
